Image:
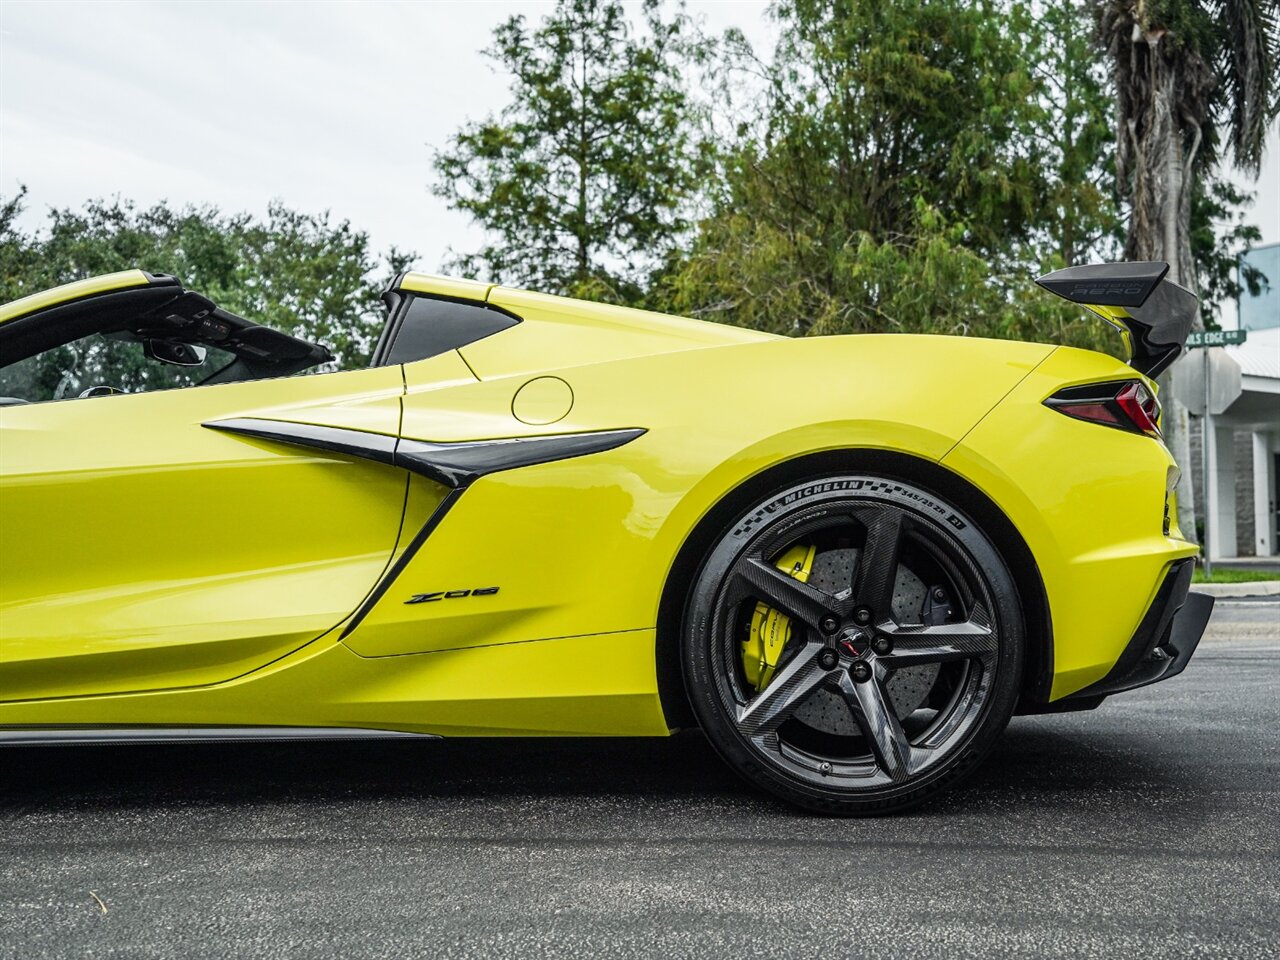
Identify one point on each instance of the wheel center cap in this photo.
(854, 642)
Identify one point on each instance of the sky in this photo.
(324, 106)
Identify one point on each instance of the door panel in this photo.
(543, 547)
(140, 550)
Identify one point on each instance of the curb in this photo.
(1257, 588)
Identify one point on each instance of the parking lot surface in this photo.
(1148, 828)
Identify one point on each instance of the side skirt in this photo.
(71, 736)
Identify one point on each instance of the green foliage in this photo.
(1074, 139)
(293, 271)
(1228, 575)
(583, 180)
(1219, 231)
(1209, 70)
(871, 106)
(929, 282)
(910, 170)
(1238, 42)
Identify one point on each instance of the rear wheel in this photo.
(853, 644)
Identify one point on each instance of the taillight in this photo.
(1126, 405)
(1142, 409)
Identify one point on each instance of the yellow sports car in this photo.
(849, 560)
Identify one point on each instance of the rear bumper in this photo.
(1166, 638)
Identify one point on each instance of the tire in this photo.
(902, 653)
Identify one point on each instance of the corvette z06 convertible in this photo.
(849, 560)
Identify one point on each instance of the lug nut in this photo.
(829, 625)
(828, 658)
(882, 645)
(860, 671)
(862, 616)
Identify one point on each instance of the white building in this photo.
(1244, 457)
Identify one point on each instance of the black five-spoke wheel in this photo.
(893, 653)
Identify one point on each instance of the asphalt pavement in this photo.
(1148, 828)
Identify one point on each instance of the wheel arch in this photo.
(1037, 676)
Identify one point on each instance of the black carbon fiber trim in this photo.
(356, 443)
(1157, 312)
(1166, 638)
(70, 736)
(454, 465)
(458, 464)
(388, 578)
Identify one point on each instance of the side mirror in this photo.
(172, 351)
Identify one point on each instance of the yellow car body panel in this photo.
(633, 507)
(530, 689)
(204, 578)
(558, 333)
(445, 286)
(1090, 504)
(157, 552)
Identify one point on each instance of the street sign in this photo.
(1227, 392)
(1225, 381)
(1215, 338)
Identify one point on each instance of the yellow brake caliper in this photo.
(770, 630)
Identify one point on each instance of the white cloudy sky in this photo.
(323, 105)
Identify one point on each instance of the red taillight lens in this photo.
(1141, 408)
(1097, 412)
(1127, 405)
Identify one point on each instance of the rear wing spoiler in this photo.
(1153, 314)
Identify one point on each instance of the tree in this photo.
(293, 271)
(911, 168)
(1074, 139)
(1188, 74)
(583, 180)
(319, 280)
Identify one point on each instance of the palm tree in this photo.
(1187, 74)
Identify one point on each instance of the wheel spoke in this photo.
(878, 562)
(788, 689)
(973, 639)
(874, 715)
(784, 593)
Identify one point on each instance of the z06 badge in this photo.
(451, 595)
